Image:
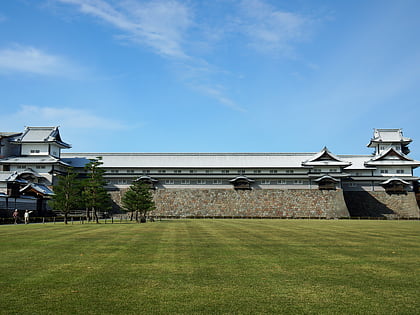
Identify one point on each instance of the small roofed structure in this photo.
(41, 135)
(395, 185)
(16, 180)
(389, 137)
(327, 182)
(241, 183)
(148, 180)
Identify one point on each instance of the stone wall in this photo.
(247, 203)
(381, 204)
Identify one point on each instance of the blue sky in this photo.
(212, 76)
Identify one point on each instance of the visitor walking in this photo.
(26, 216)
(16, 215)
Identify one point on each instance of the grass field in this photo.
(212, 267)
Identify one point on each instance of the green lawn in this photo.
(212, 267)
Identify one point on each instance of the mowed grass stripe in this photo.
(211, 266)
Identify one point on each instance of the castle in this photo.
(320, 184)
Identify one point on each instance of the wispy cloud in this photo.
(270, 30)
(171, 28)
(27, 59)
(163, 27)
(69, 117)
(160, 25)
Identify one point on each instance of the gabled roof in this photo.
(41, 135)
(241, 178)
(325, 158)
(391, 157)
(147, 179)
(326, 178)
(16, 174)
(388, 136)
(38, 189)
(395, 179)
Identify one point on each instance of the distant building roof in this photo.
(389, 136)
(32, 160)
(216, 160)
(41, 135)
(9, 134)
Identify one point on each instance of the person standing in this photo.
(16, 215)
(26, 216)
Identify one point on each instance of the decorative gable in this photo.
(241, 183)
(325, 158)
(392, 157)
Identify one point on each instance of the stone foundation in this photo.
(247, 203)
(381, 204)
(282, 203)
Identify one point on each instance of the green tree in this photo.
(66, 193)
(94, 194)
(138, 199)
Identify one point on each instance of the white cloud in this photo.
(29, 115)
(161, 25)
(26, 59)
(167, 28)
(268, 29)
(218, 94)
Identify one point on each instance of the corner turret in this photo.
(384, 139)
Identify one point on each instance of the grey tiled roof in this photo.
(41, 134)
(209, 160)
(31, 160)
(388, 135)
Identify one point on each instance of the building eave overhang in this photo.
(380, 178)
(339, 175)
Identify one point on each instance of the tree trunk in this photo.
(137, 216)
(95, 215)
(65, 217)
